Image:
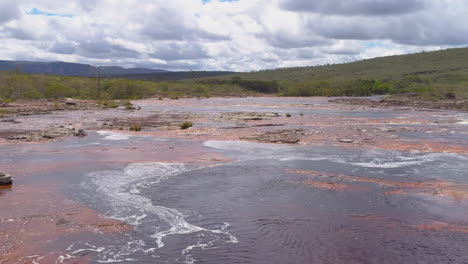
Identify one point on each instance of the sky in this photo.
(238, 35)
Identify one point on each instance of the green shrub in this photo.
(186, 125)
(108, 104)
(128, 105)
(135, 128)
(7, 100)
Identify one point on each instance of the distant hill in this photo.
(85, 70)
(425, 64)
(70, 69)
(174, 76)
(436, 75)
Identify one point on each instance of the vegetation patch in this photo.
(135, 128)
(186, 125)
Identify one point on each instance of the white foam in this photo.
(387, 164)
(121, 189)
(369, 159)
(299, 157)
(82, 145)
(112, 135)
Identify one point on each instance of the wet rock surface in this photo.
(43, 106)
(160, 120)
(288, 136)
(248, 116)
(48, 134)
(407, 100)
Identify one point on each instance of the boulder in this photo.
(5, 179)
(80, 133)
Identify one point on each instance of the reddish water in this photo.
(397, 194)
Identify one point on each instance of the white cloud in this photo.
(241, 35)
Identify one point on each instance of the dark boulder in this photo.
(5, 179)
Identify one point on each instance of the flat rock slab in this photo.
(288, 136)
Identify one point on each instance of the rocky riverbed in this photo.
(257, 180)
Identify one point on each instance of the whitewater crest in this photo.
(373, 159)
(121, 190)
(112, 135)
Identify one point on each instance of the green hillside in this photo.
(444, 62)
(433, 75)
(436, 75)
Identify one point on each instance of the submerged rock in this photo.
(5, 179)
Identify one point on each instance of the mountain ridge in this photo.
(71, 68)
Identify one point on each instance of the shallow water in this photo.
(263, 203)
(254, 210)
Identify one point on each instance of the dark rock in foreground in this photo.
(80, 133)
(5, 179)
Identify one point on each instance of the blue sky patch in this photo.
(374, 44)
(38, 12)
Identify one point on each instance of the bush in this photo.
(128, 105)
(7, 100)
(186, 125)
(135, 128)
(108, 104)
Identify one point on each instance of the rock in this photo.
(56, 133)
(345, 140)
(63, 221)
(50, 133)
(288, 136)
(80, 133)
(248, 116)
(10, 121)
(5, 179)
(70, 103)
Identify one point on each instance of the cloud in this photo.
(355, 7)
(62, 48)
(226, 35)
(8, 11)
(169, 24)
(180, 51)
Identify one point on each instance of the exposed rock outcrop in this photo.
(248, 116)
(49, 134)
(288, 136)
(5, 179)
(406, 100)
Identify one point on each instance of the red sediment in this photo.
(329, 185)
(32, 215)
(425, 146)
(437, 188)
(442, 226)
